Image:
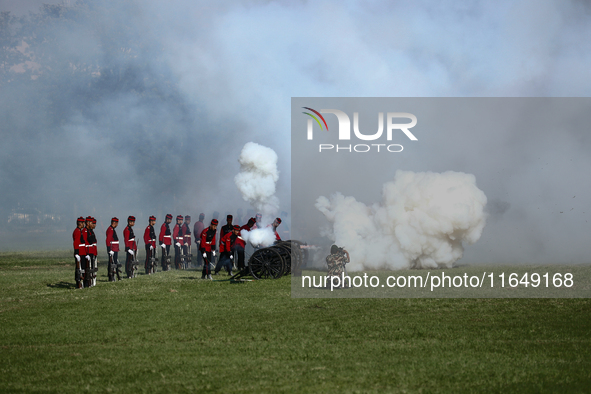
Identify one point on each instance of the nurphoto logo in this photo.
(344, 131)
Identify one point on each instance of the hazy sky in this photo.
(226, 72)
(23, 7)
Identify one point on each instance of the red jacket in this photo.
(91, 247)
(150, 236)
(86, 235)
(186, 234)
(225, 243)
(208, 240)
(238, 242)
(79, 242)
(223, 231)
(112, 240)
(129, 238)
(177, 234)
(165, 237)
(277, 237)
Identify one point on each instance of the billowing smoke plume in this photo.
(422, 221)
(256, 182)
(257, 178)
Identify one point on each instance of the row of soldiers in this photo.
(231, 244)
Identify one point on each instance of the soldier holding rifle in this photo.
(113, 250)
(79, 252)
(91, 253)
(150, 245)
(130, 248)
(186, 233)
(165, 239)
(177, 235)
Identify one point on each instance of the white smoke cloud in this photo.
(257, 178)
(422, 221)
(259, 237)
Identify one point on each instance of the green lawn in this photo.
(172, 332)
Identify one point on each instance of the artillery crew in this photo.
(186, 233)
(113, 250)
(130, 247)
(207, 247)
(178, 241)
(150, 245)
(165, 239)
(231, 246)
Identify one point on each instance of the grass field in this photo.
(172, 332)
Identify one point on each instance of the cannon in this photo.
(283, 258)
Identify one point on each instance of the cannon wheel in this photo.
(285, 249)
(266, 263)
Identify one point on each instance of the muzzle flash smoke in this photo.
(256, 181)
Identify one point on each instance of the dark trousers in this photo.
(89, 272)
(206, 270)
(177, 257)
(148, 263)
(224, 262)
(186, 253)
(80, 279)
(113, 266)
(85, 264)
(129, 265)
(240, 253)
(163, 260)
(199, 259)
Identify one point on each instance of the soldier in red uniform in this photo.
(249, 225)
(207, 247)
(79, 252)
(276, 224)
(165, 239)
(186, 233)
(197, 230)
(227, 228)
(227, 250)
(113, 250)
(224, 252)
(130, 247)
(150, 244)
(91, 253)
(86, 260)
(177, 235)
(237, 246)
